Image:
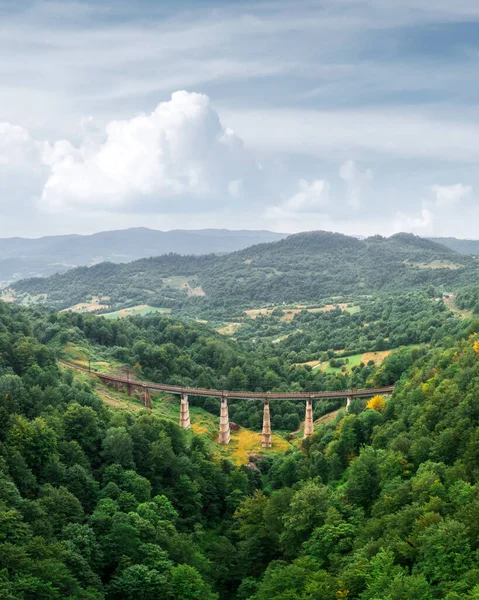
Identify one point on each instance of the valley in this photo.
(239, 300)
(110, 493)
(244, 444)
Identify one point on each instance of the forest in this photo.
(96, 503)
(468, 298)
(166, 350)
(303, 267)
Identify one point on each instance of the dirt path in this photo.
(450, 302)
(324, 419)
(328, 417)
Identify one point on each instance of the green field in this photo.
(354, 361)
(352, 310)
(142, 309)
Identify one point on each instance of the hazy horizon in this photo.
(226, 229)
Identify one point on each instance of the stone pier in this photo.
(224, 436)
(185, 412)
(266, 441)
(145, 397)
(348, 403)
(308, 420)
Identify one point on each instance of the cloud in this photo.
(450, 195)
(397, 132)
(21, 175)
(17, 147)
(305, 209)
(440, 216)
(421, 224)
(311, 197)
(180, 150)
(355, 180)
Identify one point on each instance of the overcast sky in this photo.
(346, 115)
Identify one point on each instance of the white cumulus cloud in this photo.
(355, 180)
(305, 209)
(421, 224)
(311, 197)
(450, 195)
(181, 149)
(17, 147)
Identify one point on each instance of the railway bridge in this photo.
(145, 388)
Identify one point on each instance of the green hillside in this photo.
(101, 499)
(24, 257)
(458, 245)
(304, 267)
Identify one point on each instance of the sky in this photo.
(358, 116)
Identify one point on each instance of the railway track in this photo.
(172, 389)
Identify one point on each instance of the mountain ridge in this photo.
(21, 258)
(304, 267)
(463, 246)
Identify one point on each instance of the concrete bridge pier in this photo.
(118, 386)
(348, 403)
(224, 436)
(266, 441)
(145, 398)
(185, 412)
(308, 420)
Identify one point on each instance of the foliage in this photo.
(376, 403)
(97, 504)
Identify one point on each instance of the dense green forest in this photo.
(301, 268)
(97, 503)
(468, 298)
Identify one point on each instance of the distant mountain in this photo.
(305, 267)
(461, 246)
(22, 257)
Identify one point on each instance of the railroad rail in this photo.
(146, 387)
(210, 393)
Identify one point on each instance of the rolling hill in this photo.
(22, 257)
(305, 267)
(458, 245)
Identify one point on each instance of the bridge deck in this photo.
(172, 389)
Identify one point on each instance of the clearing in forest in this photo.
(290, 313)
(179, 282)
(141, 309)
(309, 363)
(245, 442)
(87, 307)
(229, 328)
(436, 264)
(378, 357)
(450, 302)
(353, 361)
(82, 357)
